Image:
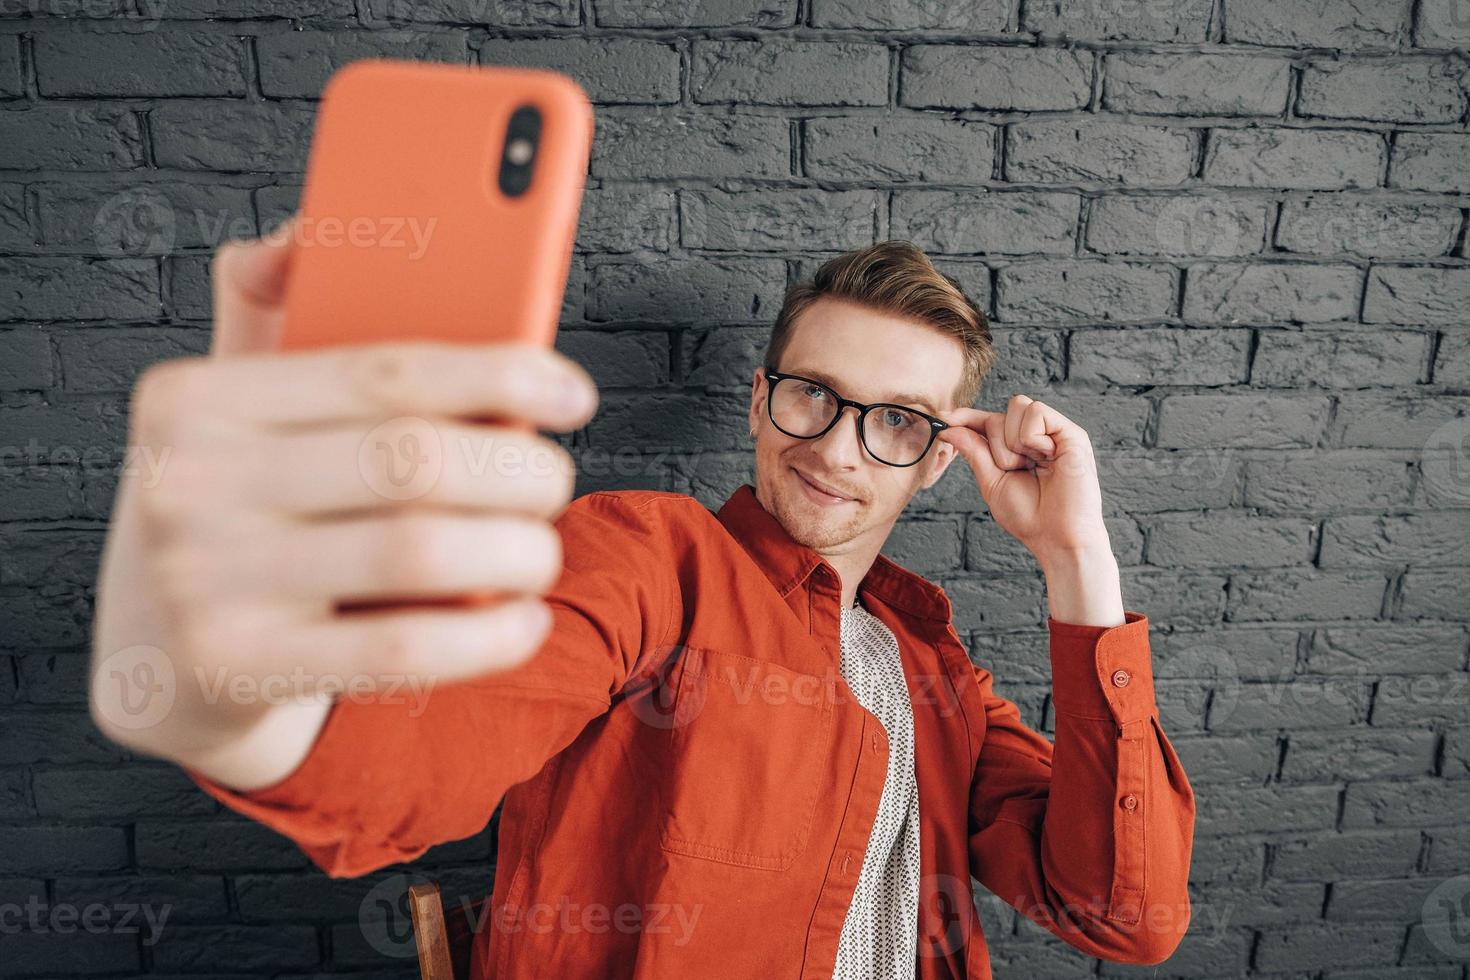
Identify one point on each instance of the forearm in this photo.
(1083, 586)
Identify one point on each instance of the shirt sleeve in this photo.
(392, 775)
(1088, 836)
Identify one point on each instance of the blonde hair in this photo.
(895, 276)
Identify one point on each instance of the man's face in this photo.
(867, 356)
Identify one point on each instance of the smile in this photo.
(817, 493)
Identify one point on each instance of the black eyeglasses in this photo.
(807, 408)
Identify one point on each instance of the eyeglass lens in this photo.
(892, 434)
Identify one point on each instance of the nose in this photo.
(841, 447)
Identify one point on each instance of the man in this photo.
(748, 744)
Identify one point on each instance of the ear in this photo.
(757, 398)
(944, 454)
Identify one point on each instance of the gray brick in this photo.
(248, 949)
(1176, 225)
(1003, 78)
(87, 952)
(690, 145)
(675, 422)
(1099, 150)
(610, 69)
(1159, 356)
(1274, 293)
(1327, 857)
(25, 360)
(10, 75)
(778, 220)
(1186, 20)
(214, 845)
(987, 223)
(1196, 84)
(206, 135)
(110, 360)
(1269, 422)
(979, 17)
(694, 289)
(15, 224)
(899, 148)
(297, 64)
(1318, 23)
(1442, 24)
(1305, 595)
(70, 138)
(306, 10)
(1338, 358)
(1428, 539)
(693, 13)
(1085, 290)
(1397, 898)
(187, 898)
(1225, 539)
(722, 356)
(1433, 594)
(1217, 758)
(1394, 421)
(1431, 161)
(626, 219)
(931, 545)
(1162, 479)
(152, 218)
(1327, 481)
(1313, 947)
(1413, 803)
(1325, 159)
(1452, 360)
(1417, 295)
(62, 288)
(1420, 90)
(497, 13)
(1321, 757)
(789, 72)
(1255, 809)
(156, 63)
(1335, 225)
(83, 794)
(62, 850)
(1386, 650)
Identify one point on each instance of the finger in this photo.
(248, 283)
(972, 447)
(408, 462)
(994, 430)
(505, 381)
(1011, 435)
(1032, 434)
(373, 649)
(409, 555)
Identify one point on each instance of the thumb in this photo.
(975, 449)
(248, 282)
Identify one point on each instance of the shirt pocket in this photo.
(747, 742)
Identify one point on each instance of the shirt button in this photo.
(1130, 803)
(1121, 678)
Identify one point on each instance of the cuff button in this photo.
(1130, 803)
(1121, 678)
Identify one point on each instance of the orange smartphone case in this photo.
(405, 234)
(403, 231)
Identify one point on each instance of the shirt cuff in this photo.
(314, 805)
(1103, 671)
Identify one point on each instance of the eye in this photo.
(811, 390)
(896, 419)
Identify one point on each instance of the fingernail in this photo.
(574, 395)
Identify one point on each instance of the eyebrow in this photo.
(900, 398)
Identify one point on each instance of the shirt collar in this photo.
(788, 563)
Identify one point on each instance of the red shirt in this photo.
(689, 785)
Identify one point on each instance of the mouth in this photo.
(820, 492)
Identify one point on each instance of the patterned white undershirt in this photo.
(880, 935)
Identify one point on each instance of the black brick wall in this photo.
(1228, 236)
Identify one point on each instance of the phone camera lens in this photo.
(518, 153)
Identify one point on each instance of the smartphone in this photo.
(440, 203)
